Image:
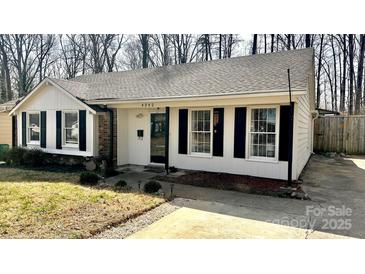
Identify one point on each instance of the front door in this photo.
(158, 121)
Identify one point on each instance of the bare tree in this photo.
(254, 44)
(145, 49)
(319, 67)
(344, 71)
(360, 69)
(5, 71)
(351, 73)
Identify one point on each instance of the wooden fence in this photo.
(340, 134)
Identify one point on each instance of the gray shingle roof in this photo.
(7, 106)
(247, 74)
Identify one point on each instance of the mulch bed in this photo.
(225, 181)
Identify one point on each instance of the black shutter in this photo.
(218, 131)
(284, 142)
(183, 131)
(14, 130)
(240, 132)
(82, 130)
(59, 129)
(43, 128)
(24, 129)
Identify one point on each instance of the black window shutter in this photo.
(43, 129)
(218, 131)
(24, 129)
(240, 132)
(82, 130)
(59, 129)
(14, 127)
(284, 133)
(183, 131)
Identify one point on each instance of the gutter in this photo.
(111, 101)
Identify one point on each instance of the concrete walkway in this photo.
(188, 223)
(250, 215)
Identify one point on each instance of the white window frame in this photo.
(64, 144)
(248, 134)
(190, 117)
(31, 142)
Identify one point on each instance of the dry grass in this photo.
(39, 204)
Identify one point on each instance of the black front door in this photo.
(158, 122)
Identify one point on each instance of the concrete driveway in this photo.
(338, 182)
(334, 185)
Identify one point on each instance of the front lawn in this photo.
(49, 204)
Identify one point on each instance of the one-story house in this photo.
(229, 115)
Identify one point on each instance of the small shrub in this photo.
(152, 187)
(4, 148)
(89, 178)
(15, 156)
(121, 183)
(34, 157)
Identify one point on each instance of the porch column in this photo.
(167, 134)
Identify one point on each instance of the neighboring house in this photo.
(229, 115)
(6, 124)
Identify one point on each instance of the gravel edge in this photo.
(131, 226)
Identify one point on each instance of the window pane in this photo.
(34, 120)
(271, 114)
(255, 139)
(71, 120)
(271, 126)
(263, 114)
(254, 150)
(34, 134)
(271, 139)
(72, 136)
(263, 128)
(262, 150)
(270, 151)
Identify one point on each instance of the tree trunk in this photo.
(254, 44)
(343, 84)
(220, 46)
(351, 72)
(360, 69)
(288, 36)
(307, 40)
(265, 42)
(144, 42)
(5, 65)
(319, 72)
(272, 42)
(334, 72)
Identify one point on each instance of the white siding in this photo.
(49, 98)
(303, 135)
(227, 163)
(5, 128)
(138, 151)
(122, 137)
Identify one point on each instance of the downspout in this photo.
(111, 130)
(291, 125)
(167, 137)
(315, 116)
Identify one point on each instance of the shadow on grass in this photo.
(40, 174)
